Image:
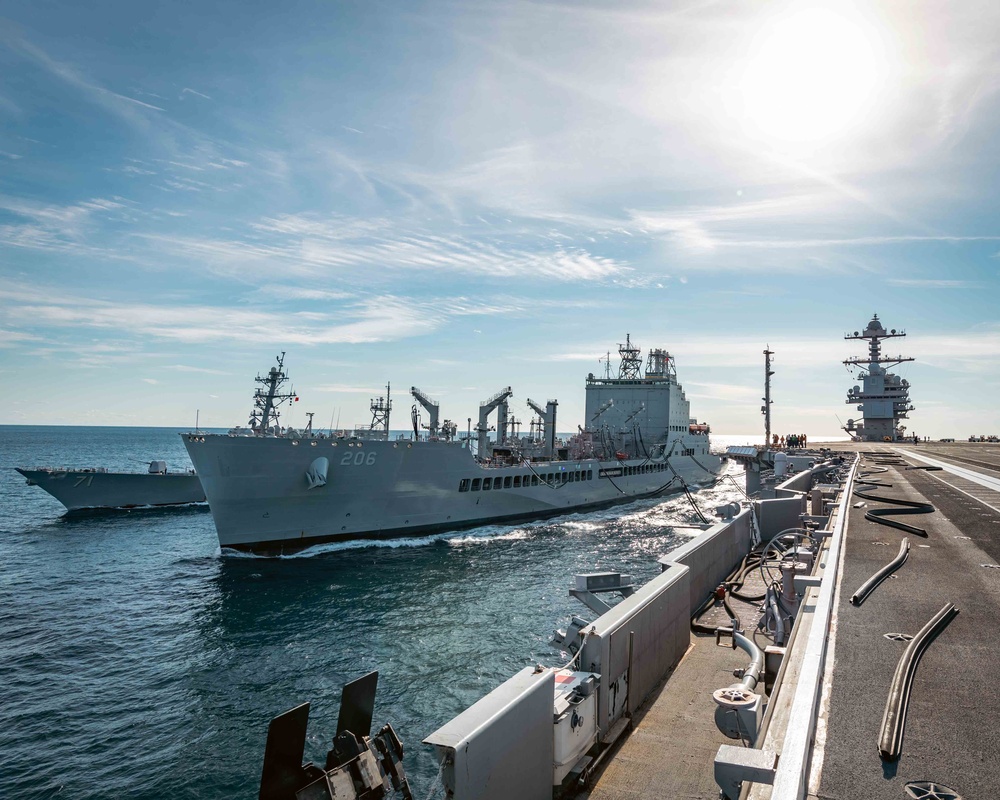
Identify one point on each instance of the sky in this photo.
(464, 196)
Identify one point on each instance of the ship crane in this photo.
(548, 415)
(433, 410)
(498, 402)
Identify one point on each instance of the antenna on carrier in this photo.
(268, 397)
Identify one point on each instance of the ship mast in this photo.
(268, 397)
(631, 360)
(885, 398)
(380, 407)
(766, 408)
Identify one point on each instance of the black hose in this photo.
(910, 507)
(894, 719)
(869, 585)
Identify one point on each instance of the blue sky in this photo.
(464, 196)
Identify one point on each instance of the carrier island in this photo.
(274, 489)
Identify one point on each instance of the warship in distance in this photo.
(97, 488)
(273, 489)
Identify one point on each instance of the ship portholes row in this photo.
(519, 481)
(295, 443)
(552, 478)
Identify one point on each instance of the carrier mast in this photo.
(885, 397)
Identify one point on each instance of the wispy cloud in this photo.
(308, 245)
(930, 283)
(204, 370)
(187, 90)
(117, 104)
(379, 318)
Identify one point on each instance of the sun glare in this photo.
(811, 75)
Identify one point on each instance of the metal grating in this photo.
(897, 637)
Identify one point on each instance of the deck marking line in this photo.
(976, 477)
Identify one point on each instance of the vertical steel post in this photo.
(766, 408)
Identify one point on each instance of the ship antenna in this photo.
(267, 398)
(766, 408)
(631, 360)
(380, 408)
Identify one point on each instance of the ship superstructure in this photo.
(275, 489)
(883, 397)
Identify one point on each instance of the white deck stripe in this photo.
(968, 474)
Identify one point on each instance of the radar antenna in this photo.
(268, 398)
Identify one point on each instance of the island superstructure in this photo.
(274, 489)
(883, 398)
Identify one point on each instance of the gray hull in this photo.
(82, 489)
(264, 494)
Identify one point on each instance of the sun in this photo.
(811, 75)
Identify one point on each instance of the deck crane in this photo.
(433, 409)
(548, 416)
(498, 402)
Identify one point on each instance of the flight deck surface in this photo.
(950, 738)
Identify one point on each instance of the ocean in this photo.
(139, 661)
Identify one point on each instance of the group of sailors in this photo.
(791, 440)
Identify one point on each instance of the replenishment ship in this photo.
(273, 489)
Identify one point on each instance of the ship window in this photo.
(487, 483)
(590, 474)
(507, 482)
(534, 480)
(463, 485)
(517, 481)
(576, 476)
(475, 484)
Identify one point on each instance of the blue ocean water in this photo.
(139, 661)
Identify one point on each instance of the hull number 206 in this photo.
(358, 459)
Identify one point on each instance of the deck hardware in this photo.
(894, 719)
(734, 765)
(963, 537)
(990, 566)
(929, 790)
(897, 637)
